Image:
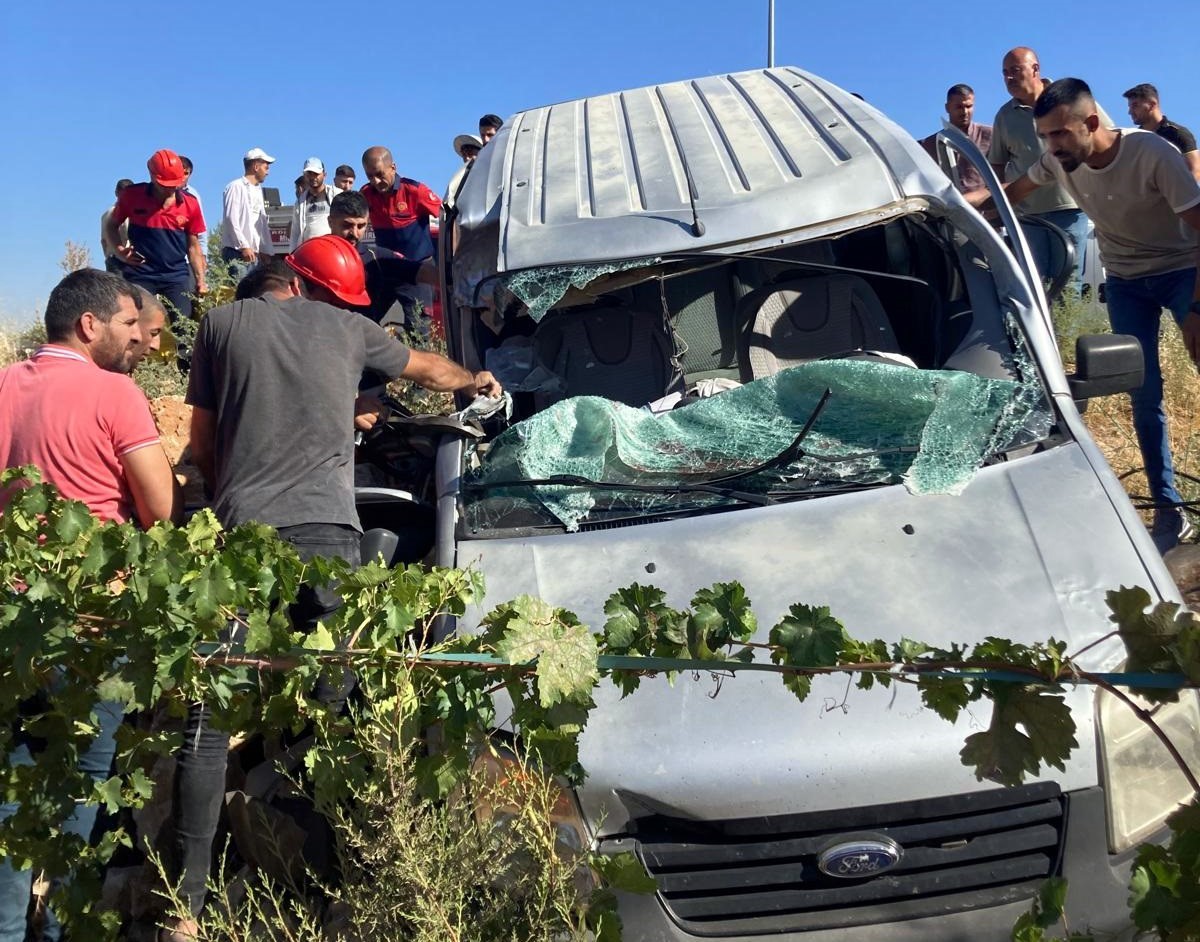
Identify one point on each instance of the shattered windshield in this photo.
(541, 288)
(882, 423)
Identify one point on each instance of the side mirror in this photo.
(1106, 364)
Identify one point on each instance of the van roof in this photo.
(769, 151)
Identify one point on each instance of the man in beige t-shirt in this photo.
(1145, 206)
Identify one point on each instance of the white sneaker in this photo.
(1171, 527)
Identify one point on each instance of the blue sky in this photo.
(89, 90)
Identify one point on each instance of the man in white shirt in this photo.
(245, 231)
(310, 216)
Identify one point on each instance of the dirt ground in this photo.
(174, 417)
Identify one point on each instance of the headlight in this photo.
(1142, 782)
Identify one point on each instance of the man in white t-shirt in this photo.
(310, 215)
(1140, 195)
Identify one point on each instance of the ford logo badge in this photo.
(857, 858)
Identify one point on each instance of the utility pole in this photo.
(770, 34)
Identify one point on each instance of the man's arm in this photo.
(196, 260)
(297, 221)
(1193, 161)
(1016, 191)
(203, 445)
(156, 494)
(435, 372)
(1190, 326)
(112, 232)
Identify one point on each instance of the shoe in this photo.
(1171, 527)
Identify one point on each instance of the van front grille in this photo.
(760, 875)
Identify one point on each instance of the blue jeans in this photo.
(1075, 224)
(95, 761)
(1135, 307)
(200, 772)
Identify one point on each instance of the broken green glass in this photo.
(883, 423)
(539, 289)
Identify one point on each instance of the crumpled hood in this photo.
(1026, 552)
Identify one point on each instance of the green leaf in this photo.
(108, 793)
(1004, 753)
(946, 696)
(259, 636)
(624, 872)
(727, 614)
(807, 637)
(73, 519)
(319, 639)
(364, 577)
(565, 651)
(1186, 649)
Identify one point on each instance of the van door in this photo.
(965, 148)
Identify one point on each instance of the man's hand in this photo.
(248, 255)
(129, 255)
(367, 412)
(487, 385)
(1191, 336)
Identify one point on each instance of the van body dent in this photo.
(739, 230)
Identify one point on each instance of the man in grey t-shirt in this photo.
(272, 386)
(1137, 188)
(1015, 146)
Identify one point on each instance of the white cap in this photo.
(466, 140)
(257, 153)
(314, 164)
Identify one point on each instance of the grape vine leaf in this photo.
(946, 696)
(808, 636)
(624, 872)
(566, 652)
(1151, 637)
(1004, 753)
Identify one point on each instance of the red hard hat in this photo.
(333, 263)
(166, 169)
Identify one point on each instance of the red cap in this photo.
(333, 263)
(166, 169)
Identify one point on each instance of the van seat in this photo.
(608, 351)
(800, 319)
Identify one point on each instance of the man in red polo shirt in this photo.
(400, 208)
(165, 225)
(70, 410)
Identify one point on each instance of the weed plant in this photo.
(492, 863)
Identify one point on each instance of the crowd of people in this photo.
(1063, 160)
(72, 410)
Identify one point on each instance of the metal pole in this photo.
(770, 34)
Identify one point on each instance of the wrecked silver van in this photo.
(754, 334)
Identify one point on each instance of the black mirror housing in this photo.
(1106, 364)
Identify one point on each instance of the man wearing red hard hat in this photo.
(165, 225)
(272, 386)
